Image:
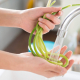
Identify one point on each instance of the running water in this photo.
(56, 48)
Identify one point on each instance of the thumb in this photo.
(50, 9)
(38, 12)
(44, 10)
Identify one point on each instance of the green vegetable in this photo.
(38, 44)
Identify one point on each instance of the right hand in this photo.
(40, 66)
(30, 17)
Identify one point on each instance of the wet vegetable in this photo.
(38, 44)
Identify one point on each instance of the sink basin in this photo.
(22, 75)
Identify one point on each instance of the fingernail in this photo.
(48, 15)
(60, 12)
(40, 19)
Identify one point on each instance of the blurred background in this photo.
(16, 40)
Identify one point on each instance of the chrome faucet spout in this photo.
(62, 31)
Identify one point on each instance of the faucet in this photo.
(62, 31)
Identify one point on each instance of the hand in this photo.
(40, 66)
(30, 17)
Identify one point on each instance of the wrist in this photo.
(23, 19)
(16, 18)
(23, 62)
(10, 18)
(7, 60)
(16, 62)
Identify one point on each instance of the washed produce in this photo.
(38, 44)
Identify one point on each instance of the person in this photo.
(26, 20)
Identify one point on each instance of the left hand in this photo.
(28, 62)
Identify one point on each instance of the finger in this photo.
(68, 55)
(63, 49)
(55, 49)
(56, 68)
(45, 28)
(44, 10)
(70, 64)
(49, 24)
(53, 18)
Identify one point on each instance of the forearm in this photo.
(8, 61)
(9, 18)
